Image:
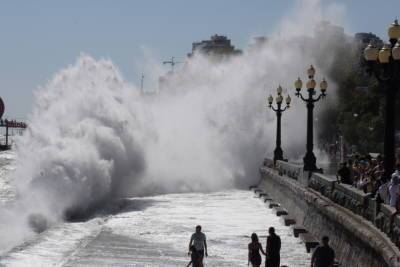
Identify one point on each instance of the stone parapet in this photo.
(289, 170)
(356, 240)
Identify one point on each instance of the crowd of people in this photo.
(323, 255)
(367, 174)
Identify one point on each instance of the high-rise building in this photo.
(218, 46)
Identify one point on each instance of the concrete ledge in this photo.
(273, 205)
(323, 184)
(309, 240)
(299, 229)
(280, 211)
(288, 220)
(267, 198)
(351, 198)
(289, 170)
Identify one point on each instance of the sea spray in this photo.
(94, 138)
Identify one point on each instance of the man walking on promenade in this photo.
(323, 256)
(198, 240)
(273, 248)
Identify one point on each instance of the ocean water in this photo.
(155, 231)
(7, 164)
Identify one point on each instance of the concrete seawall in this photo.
(356, 240)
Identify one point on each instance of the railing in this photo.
(10, 124)
(358, 202)
(346, 196)
(291, 170)
(285, 168)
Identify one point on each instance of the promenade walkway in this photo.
(155, 231)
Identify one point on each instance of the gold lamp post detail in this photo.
(384, 64)
(310, 159)
(278, 153)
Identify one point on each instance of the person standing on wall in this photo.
(343, 175)
(198, 240)
(323, 256)
(273, 257)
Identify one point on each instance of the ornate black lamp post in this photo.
(385, 65)
(278, 153)
(309, 159)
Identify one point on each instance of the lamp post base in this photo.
(310, 162)
(278, 154)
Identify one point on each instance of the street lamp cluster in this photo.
(384, 64)
(278, 153)
(309, 159)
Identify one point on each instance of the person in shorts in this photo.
(194, 261)
(198, 240)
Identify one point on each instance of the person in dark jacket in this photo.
(343, 175)
(323, 256)
(273, 249)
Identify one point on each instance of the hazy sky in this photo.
(40, 37)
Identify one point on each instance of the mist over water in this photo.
(93, 137)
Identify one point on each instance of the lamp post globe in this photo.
(323, 86)
(394, 32)
(371, 53)
(311, 72)
(396, 51)
(288, 100)
(384, 54)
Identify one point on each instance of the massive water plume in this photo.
(93, 137)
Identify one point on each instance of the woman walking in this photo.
(254, 251)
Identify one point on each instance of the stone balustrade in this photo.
(358, 202)
(346, 196)
(358, 225)
(323, 184)
(382, 221)
(289, 169)
(351, 198)
(285, 168)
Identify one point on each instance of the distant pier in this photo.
(10, 124)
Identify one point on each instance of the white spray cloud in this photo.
(92, 137)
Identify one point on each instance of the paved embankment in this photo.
(155, 231)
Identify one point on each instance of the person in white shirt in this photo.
(198, 240)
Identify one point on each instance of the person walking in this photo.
(254, 251)
(324, 255)
(273, 257)
(194, 261)
(198, 240)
